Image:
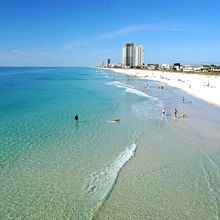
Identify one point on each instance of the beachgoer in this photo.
(183, 115)
(175, 112)
(163, 111)
(116, 121)
(183, 99)
(76, 117)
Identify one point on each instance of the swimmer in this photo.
(76, 117)
(116, 121)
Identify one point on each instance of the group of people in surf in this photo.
(148, 87)
(183, 115)
(115, 121)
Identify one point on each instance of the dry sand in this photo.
(203, 87)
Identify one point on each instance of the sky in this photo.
(85, 32)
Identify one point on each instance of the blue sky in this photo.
(82, 33)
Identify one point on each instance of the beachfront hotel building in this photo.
(128, 55)
(108, 62)
(139, 56)
(132, 55)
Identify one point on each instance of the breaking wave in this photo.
(120, 85)
(101, 183)
(139, 93)
(130, 89)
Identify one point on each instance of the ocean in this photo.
(147, 166)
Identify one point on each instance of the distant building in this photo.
(128, 55)
(188, 68)
(198, 68)
(139, 56)
(177, 66)
(152, 66)
(165, 66)
(108, 61)
(117, 65)
(192, 68)
(215, 68)
(102, 64)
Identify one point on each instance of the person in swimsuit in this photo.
(76, 117)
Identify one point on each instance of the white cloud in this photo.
(160, 27)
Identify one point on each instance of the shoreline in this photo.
(204, 87)
(171, 164)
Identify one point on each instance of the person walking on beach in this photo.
(163, 111)
(175, 112)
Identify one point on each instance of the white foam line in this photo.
(139, 93)
(101, 183)
(130, 89)
(120, 85)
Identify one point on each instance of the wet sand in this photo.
(175, 172)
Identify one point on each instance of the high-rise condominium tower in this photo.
(128, 55)
(108, 61)
(139, 55)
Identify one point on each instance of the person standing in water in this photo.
(175, 112)
(163, 111)
(76, 117)
(183, 100)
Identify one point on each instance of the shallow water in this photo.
(147, 166)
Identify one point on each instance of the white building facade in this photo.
(132, 55)
(139, 56)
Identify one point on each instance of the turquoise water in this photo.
(53, 167)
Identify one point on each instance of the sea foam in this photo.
(120, 85)
(101, 183)
(139, 93)
(130, 89)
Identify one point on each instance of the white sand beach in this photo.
(203, 87)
